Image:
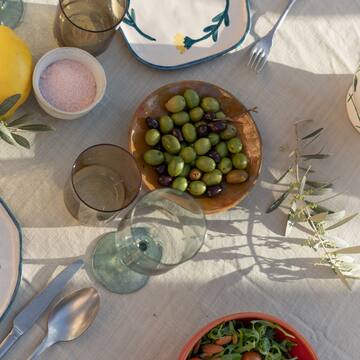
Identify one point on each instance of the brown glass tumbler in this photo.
(104, 180)
(88, 24)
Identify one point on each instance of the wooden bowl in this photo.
(153, 106)
(303, 350)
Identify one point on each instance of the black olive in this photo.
(202, 131)
(209, 116)
(214, 190)
(161, 169)
(165, 180)
(152, 123)
(178, 134)
(217, 126)
(215, 156)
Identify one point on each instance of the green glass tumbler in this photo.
(164, 229)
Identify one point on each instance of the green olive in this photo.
(214, 138)
(192, 98)
(189, 132)
(171, 144)
(186, 170)
(188, 154)
(154, 157)
(152, 137)
(202, 146)
(210, 104)
(197, 188)
(237, 176)
(222, 149)
(176, 104)
(240, 161)
(180, 118)
(176, 166)
(180, 183)
(229, 132)
(220, 115)
(166, 124)
(234, 145)
(196, 114)
(212, 178)
(205, 164)
(195, 174)
(168, 157)
(225, 165)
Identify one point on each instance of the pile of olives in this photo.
(195, 147)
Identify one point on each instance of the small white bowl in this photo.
(69, 53)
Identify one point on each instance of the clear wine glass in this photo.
(164, 229)
(11, 12)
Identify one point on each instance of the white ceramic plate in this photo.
(10, 257)
(171, 34)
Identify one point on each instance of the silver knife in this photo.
(37, 306)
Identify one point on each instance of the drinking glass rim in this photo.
(170, 266)
(96, 31)
(132, 197)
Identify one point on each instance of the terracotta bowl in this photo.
(303, 350)
(153, 106)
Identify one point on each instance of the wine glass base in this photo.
(110, 272)
(11, 12)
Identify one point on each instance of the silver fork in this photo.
(261, 50)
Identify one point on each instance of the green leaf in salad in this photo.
(273, 326)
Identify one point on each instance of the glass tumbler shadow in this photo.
(89, 25)
(164, 229)
(104, 180)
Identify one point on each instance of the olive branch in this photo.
(10, 131)
(319, 220)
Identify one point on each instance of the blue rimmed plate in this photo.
(10, 257)
(171, 34)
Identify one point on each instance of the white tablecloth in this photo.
(246, 263)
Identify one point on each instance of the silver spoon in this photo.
(70, 318)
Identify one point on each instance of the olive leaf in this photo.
(314, 133)
(319, 185)
(8, 103)
(336, 216)
(20, 140)
(283, 175)
(36, 127)
(19, 121)
(342, 222)
(315, 156)
(278, 202)
(302, 185)
(347, 250)
(6, 134)
(318, 218)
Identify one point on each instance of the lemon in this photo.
(15, 68)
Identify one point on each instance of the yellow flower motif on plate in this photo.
(179, 42)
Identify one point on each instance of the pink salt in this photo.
(68, 85)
